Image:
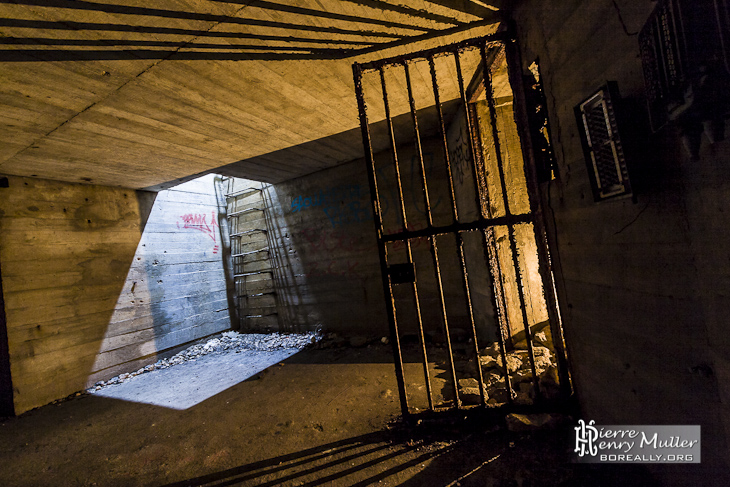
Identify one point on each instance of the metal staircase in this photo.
(253, 275)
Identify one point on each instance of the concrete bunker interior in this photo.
(292, 252)
(106, 102)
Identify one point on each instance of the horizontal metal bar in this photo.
(459, 227)
(242, 191)
(404, 41)
(253, 273)
(501, 36)
(249, 253)
(247, 232)
(241, 212)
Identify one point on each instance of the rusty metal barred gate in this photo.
(509, 388)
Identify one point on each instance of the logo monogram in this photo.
(585, 437)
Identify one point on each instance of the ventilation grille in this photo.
(602, 144)
(681, 39)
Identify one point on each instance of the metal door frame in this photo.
(395, 274)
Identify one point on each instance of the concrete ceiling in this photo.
(142, 94)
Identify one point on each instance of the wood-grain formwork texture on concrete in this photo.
(176, 290)
(157, 93)
(87, 295)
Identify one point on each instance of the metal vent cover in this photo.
(602, 144)
(681, 42)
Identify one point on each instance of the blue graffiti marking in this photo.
(341, 204)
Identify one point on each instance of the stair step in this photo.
(248, 232)
(250, 252)
(256, 296)
(253, 273)
(241, 212)
(242, 192)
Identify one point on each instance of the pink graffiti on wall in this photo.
(197, 221)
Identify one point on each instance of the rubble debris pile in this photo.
(519, 368)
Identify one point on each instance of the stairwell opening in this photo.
(254, 289)
(201, 263)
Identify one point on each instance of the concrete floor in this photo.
(184, 385)
(325, 417)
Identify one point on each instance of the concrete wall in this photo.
(518, 200)
(175, 291)
(322, 243)
(70, 256)
(65, 251)
(643, 284)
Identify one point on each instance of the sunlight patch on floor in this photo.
(190, 383)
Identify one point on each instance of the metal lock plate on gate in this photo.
(402, 273)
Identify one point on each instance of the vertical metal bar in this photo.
(544, 261)
(444, 316)
(499, 284)
(224, 227)
(417, 142)
(239, 281)
(233, 242)
(489, 241)
(510, 227)
(470, 308)
(455, 214)
(416, 301)
(382, 249)
(470, 131)
(444, 141)
(394, 151)
(242, 269)
(432, 239)
(499, 303)
(501, 324)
